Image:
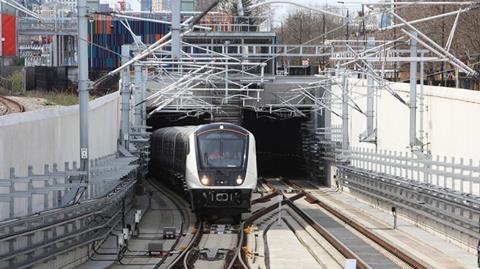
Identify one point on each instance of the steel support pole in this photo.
(176, 39)
(413, 92)
(327, 119)
(226, 84)
(143, 89)
(421, 103)
(138, 94)
(345, 138)
(370, 95)
(83, 94)
(125, 93)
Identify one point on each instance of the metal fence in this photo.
(453, 174)
(34, 193)
(6, 84)
(43, 222)
(440, 189)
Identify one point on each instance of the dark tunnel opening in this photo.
(280, 141)
(279, 144)
(160, 120)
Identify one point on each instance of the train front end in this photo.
(221, 169)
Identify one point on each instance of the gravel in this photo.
(32, 103)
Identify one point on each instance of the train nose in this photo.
(221, 197)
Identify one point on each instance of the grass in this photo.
(17, 82)
(62, 98)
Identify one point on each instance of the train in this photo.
(214, 165)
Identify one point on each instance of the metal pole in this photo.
(83, 93)
(370, 94)
(144, 105)
(138, 94)
(413, 92)
(421, 102)
(91, 42)
(348, 22)
(443, 45)
(345, 139)
(226, 84)
(176, 41)
(125, 92)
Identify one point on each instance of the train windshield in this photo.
(221, 149)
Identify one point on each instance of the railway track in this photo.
(327, 236)
(142, 251)
(8, 106)
(215, 247)
(189, 231)
(318, 222)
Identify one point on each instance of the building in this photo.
(146, 5)
(161, 5)
(166, 5)
(104, 8)
(72, 4)
(202, 5)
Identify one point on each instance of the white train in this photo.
(215, 164)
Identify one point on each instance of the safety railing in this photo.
(33, 193)
(455, 174)
(62, 212)
(444, 191)
(55, 25)
(37, 238)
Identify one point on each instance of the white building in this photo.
(166, 5)
(72, 4)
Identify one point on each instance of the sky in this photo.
(281, 10)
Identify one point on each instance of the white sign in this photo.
(83, 153)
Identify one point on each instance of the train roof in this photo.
(187, 130)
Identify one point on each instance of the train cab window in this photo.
(222, 149)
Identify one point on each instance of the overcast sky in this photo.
(281, 10)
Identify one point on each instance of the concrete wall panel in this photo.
(52, 135)
(450, 122)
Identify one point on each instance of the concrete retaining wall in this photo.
(52, 135)
(450, 122)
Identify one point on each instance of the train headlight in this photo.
(239, 180)
(204, 180)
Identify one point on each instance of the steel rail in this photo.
(361, 229)
(265, 198)
(11, 105)
(185, 218)
(337, 244)
(188, 249)
(238, 254)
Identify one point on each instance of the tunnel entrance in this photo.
(279, 144)
(286, 146)
(164, 119)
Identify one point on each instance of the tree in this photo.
(303, 26)
(231, 7)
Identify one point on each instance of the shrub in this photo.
(17, 82)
